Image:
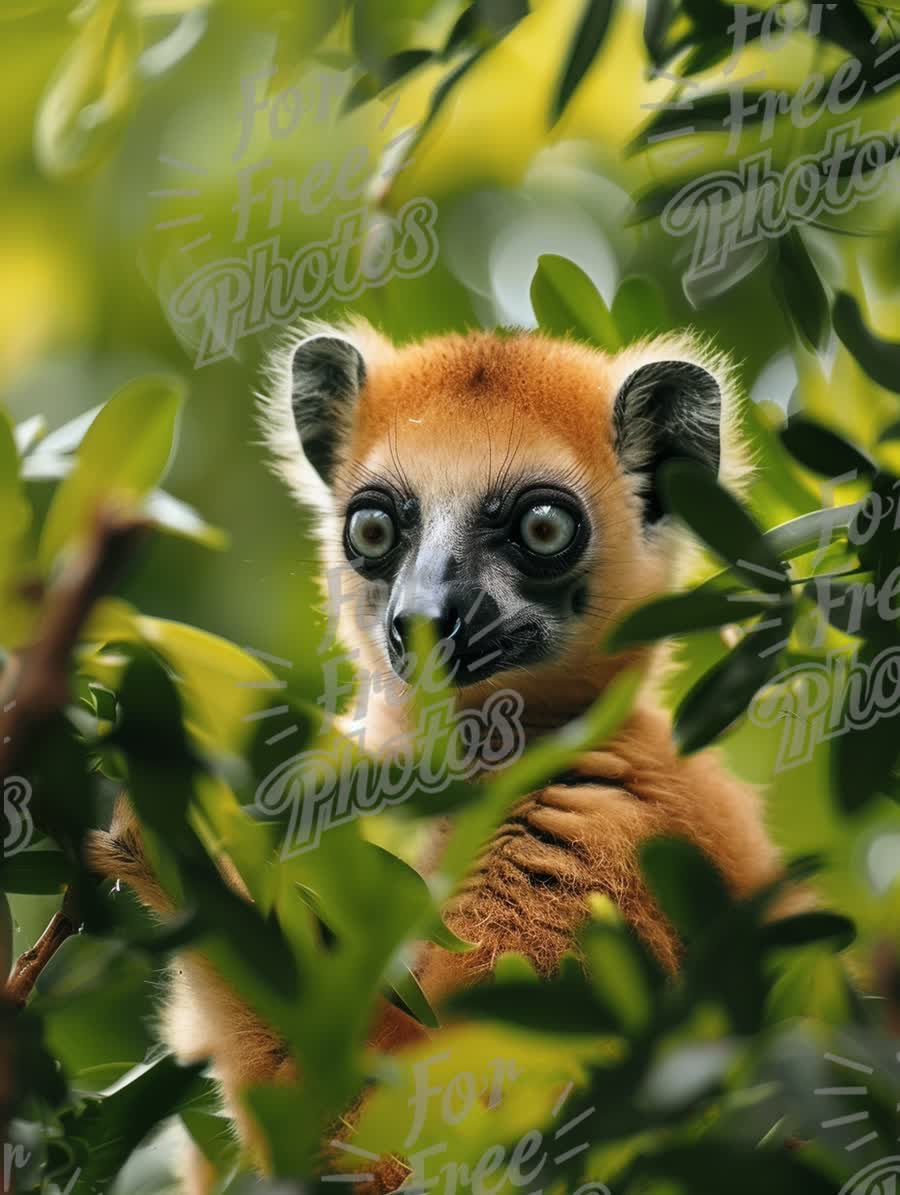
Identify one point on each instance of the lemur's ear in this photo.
(327, 374)
(666, 410)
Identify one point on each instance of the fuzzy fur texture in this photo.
(446, 416)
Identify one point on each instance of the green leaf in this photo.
(30, 433)
(864, 757)
(685, 884)
(710, 16)
(657, 19)
(446, 87)
(92, 93)
(566, 1005)
(800, 291)
(104, 1132)
(36, 873)
(708, 1167)
(812, 984)
(721, 522)
(722, 695)
(512, 967)
(398, 66)
(623, 978)
(806, 929)
(66, 439)
(172, 515)
(81, 965)
(501, 15)
(566, 303)
(584, 46)
(708, 54)
(803, 534)
(879, 358)
(679, 613)
(639, 309)
(413, 1000)
(125, 453)
(824, 451)
(465, 29)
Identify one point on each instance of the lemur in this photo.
(504, 487)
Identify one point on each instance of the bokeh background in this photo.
(122, 122)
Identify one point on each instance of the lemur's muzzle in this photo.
(465, 625)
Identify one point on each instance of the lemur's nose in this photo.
(447, 621)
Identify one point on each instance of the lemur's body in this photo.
(502, 486)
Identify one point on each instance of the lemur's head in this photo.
(502, 486)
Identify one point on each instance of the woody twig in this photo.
(35, 686)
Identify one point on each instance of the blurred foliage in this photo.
(148, 141)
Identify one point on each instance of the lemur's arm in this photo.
(528, 893)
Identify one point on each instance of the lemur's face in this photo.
(499, 561)
(500, 487)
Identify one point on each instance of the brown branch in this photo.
(37, 687)
(37, 684)
(26, 971)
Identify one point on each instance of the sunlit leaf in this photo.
(723, 694)
(91, 96)
(686, 885)
(567, 303)
(639, 309)
(824, 451)
(104, 1131)
(722, 523)
(865, 755)
(879, 358)
(124, 455)
(657, 19)
(172, 515)
(584, 47)
(800, 291)
(413, 1000)
(30, 433)
(680, 613)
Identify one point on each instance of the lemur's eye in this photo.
(547, 530)
(371, 533)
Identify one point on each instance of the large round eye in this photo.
(371, 533)
(547, 530)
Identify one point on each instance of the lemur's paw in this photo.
(595, 767)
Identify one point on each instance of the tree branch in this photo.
(26, 971)
(36, 686)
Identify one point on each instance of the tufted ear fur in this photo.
(664, 410)
(315, 378)
(327, 374)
